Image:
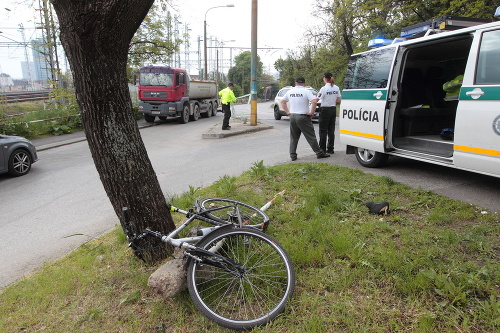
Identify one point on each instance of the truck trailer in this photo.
(170, 92)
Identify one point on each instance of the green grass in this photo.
(430, 266)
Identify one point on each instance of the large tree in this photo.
(240, 73)
(96, 35)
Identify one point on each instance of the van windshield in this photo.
(369, 70)
(156, 79)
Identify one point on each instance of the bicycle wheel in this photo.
(250, 292)
(235, 212)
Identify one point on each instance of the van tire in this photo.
(370, 159)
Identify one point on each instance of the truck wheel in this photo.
(149, 118)
(184, 118)
(277, 114)
(208, 114)
(214, 110)
(196, 113)
(370, 159)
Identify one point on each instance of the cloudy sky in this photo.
(281, 26)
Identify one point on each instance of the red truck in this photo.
(169, 92)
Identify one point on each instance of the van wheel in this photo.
(184, 118)
(370, 159)
(277, 114)
(149, 118)
(196, 113)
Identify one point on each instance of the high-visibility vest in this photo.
(452, 88)
(227, 96)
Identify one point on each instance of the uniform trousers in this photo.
(301, 123)
(226, 108)
(327, 118)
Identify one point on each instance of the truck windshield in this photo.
(156, 79)
(369, 70)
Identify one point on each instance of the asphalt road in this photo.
(61, 202)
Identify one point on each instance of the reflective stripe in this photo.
(481, 151)
(366, 135)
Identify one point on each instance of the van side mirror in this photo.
(135, 79)
(497, 12)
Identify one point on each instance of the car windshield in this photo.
(156, 79)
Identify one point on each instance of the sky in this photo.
(281, 25)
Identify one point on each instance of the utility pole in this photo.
(48, 41)
(253, 79)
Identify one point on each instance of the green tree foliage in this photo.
(240, 73)
(154, 41)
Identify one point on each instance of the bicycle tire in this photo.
(254, 298)
(225, 210)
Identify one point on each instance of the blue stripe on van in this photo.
(365, 94)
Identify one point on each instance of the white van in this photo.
(393, 102)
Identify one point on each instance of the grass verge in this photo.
(430, 266)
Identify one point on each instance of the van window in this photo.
(488, 65)
(369, 70)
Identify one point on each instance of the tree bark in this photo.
(96, 35)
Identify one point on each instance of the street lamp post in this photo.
(205, 74)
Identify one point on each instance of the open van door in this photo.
(364, 103)
(477, 128)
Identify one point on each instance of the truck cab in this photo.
(394, 101)
(169, 92)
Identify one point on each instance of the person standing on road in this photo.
(300, 117)
(329, 96)
(227, 97)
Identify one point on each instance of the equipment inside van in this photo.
(434, 98)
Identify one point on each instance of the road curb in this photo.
(237, 128)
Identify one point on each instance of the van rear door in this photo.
(477, 128)
(365, 99)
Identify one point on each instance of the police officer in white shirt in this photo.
(329, 96)
(300, 117)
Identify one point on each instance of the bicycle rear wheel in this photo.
(235, 212)
(251, 295)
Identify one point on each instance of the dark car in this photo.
(17, 154)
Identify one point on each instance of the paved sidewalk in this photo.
(238, 126)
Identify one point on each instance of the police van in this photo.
(394, 102)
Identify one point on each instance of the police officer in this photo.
(300, 117)
(329, 96)
(226, 98)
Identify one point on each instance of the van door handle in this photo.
(475, 94)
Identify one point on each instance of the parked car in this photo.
(278, 110)
(17, 154)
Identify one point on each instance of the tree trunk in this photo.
(95, 35)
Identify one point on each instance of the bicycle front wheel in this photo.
(251, 295)
(235, 212)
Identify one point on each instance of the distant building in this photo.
(28, 72)
(6, 82)
(41, 67)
